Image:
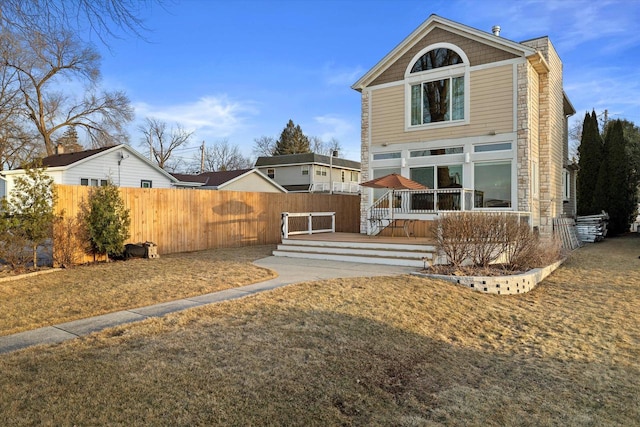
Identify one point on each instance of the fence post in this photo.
(333, 222)
(284, 226)
(310, 224)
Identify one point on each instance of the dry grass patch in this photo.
(378, 351)
(97, 289)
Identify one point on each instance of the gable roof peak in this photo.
(436, 21)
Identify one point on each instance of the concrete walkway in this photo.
(290, 271)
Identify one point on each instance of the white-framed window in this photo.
(566, 185)
(321, 171)
(446, 176)
(535, 179)
(93, 182)
(304, 169)
(492, 184)
(342, 175)
(436, 152)
(271, 173)
(387, 156)
(354, 176)
(436, 87)
(145, 183)
(499, 146)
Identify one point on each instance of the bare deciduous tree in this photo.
(222, 156)
(162, 141)
(325, 148)
(42, 62)
(101, 17)
(16, 143)
(264, 146)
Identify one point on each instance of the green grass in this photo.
(377, 351)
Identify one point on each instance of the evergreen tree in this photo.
(292, 141)
(106, 220)
(621, 197)
(31, 205)
(69, 140)
(591, 154)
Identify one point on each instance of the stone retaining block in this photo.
(501, 285)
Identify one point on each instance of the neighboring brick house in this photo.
(479, 119)
(312, 173)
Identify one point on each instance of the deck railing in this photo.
(307, 223)
(402, 204)
(338, 187)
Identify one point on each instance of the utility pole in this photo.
(202, 157)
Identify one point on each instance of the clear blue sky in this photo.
(242, 69)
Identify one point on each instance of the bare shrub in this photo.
(548, 250)
(488, 238)
(520, 243)
(15, 246)
(453, 235)
(481, 239)
(69, 241)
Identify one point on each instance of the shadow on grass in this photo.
(255, 363)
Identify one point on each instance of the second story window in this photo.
(271, 173)
(436, 87)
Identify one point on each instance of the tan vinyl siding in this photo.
(252, 182)
(478, 53)
(491, 110)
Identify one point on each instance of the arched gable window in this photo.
(436, 58)
(436, 85)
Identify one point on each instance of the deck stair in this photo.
(369, 250)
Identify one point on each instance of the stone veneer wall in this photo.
(364, 156)
(523, 131)
(551, 135)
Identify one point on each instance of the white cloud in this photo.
(341, 76)
(212, 115)
(333, 127)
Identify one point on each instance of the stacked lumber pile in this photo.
(592, 228)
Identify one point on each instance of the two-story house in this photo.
(312, 173)
(478, 119)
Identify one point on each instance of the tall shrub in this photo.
(31, 205)
(106, 220)
(621, 197)
(591, 153)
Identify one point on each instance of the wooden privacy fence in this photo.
(192, 220)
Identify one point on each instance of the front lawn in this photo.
(381, 351)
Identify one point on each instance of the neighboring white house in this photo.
(312, 173)
(120, 164)
(237, 180)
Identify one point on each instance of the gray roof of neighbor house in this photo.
(211, 179)
(306, 158)
(66, 159)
